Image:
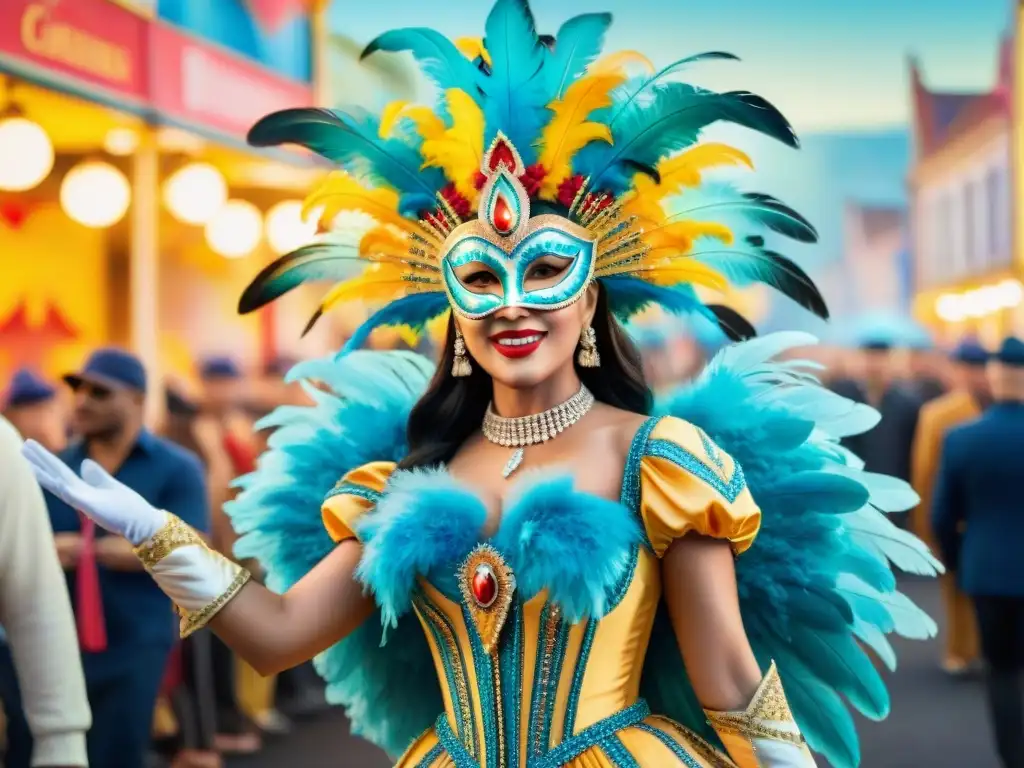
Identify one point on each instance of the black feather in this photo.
(797, 228)
(796, 284)
(755, 240)
(732, 323)
(770, 121)
(644, 168)
(320, 261)
(312, 321)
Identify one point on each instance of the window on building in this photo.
(941, 268)
(1004, 222)
(993, 217)
(970, 258)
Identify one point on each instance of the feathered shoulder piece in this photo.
(535, 127)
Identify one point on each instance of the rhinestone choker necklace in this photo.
(524, 431)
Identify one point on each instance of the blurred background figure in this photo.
(126, 626)
(32, 406)
(968, 397)
(978, 523)
(887, 447)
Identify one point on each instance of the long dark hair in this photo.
(453, 408)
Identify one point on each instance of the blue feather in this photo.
(749, 263)
(577, 44)
(440, 60)
(629, 295)
(390, 693)
(818, 577)
(352, 142)
(673, 119)
(548, 525)
(414, 310)
(516, 102)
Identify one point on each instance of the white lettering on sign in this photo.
(225, 93)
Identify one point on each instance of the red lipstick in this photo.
(518, 344)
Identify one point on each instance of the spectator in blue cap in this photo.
(32, 406)
(978, 523)
(964, 402)
(126, 625)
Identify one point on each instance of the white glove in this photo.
(112, 504)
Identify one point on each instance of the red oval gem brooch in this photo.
(487, 585)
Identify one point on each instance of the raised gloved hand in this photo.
(112, 504)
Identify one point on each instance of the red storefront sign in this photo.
(86, 45)
(201, 85)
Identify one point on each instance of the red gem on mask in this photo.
(502, 217)
(485, 586)
(502, 154)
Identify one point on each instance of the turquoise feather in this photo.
(819, 574)
(278, 517)
(352, 142)
(672, 119)
(320, 262)
(440, 60)
(414, 310)
(516, 99)
(578, 43)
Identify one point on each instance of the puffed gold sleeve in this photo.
(687, 483)
(354, 495)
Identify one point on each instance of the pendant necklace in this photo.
(524, 431)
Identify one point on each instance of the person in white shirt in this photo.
(36, 616)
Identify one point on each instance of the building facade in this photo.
(961, 202)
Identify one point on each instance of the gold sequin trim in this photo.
(546, 662)
(499, 706)
(173, 535)
(768, 704)
(461, 694)
(190, 622)
(705, 751)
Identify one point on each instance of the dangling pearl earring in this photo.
(460, 365)
(588, 356)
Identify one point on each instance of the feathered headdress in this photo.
(562, 128)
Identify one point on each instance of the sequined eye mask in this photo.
(506, 241)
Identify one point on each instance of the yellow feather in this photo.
(459, 150)
(569, 130)
(616, 62)
(408, 334)
(429, 125)
(379, 283)
(340, 192)
(679, 236)
(383, 240)
(471, 47)
(687, 271)
(389, 117)
(683, 170)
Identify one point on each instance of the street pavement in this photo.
(936, 721)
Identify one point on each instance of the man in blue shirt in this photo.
(126, 624)
(979, 525)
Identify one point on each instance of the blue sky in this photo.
(829, 65)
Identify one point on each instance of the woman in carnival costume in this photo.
(567, 573)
